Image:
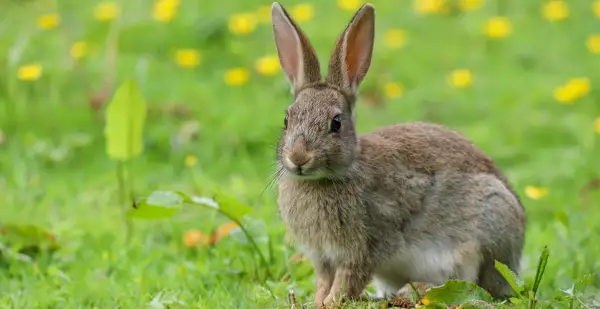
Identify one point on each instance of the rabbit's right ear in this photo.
(296, 55)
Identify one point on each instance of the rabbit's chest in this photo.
(324, 224)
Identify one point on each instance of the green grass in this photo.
(54, 171)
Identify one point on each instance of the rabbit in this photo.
(407, 202)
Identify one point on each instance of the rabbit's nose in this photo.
(299, 158)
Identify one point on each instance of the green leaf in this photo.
(159, 205)
(27, 235)
(477, 304)
(125, 117)
(510, 277)
(228, 205)
(540, 269)
(455, 292)
(435, 305)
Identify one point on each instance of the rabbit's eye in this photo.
(336, 124)
(285, 122)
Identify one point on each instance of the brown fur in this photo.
(407, 202)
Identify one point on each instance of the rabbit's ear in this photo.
(351, 56)
(296, 55)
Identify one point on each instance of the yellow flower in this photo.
(349, 5)
(30, 72)
(555, 10)
(237, 76)
(106, 11)
(165, 10)
(497, 27)
(460, 78)
(393, 90)
(187, 58)
(596, 8)
(190, 160)
(535, 193)
(593, 43)
(597, 125)
(242, 24)
(302, 12)
(268, 65)
(574, 89)
(395, 38)
(48, 21)
(425, 301)
(430, 6)
(79, 49)
(470, 5)
(263, 14)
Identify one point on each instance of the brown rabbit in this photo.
(407, 202)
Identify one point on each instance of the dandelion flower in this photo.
(535, 193)
(268, 65)
(555, 10)
(597, 125)
(30, 72)
(593, 43)
(187, 58)
(394, 38)
(237, 76)
(302, 12)
(574, 89)
(48, 21)
(263, 14)
(425, 301)
(190, 160)
(242, 24)
(78, 50)
(349, 5)
(470, 5)
(596, 8)
(460, 78)
(165, 10)
(106, 11)
(497, 27)
(393, 90)
(429, 6)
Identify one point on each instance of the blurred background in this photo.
(516, 77)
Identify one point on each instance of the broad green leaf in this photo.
(27, 235)
(125, 117)
(477, 304)
(435, 305)
(159, 205)
(510, 277)
(228, 205)
(456, 292)
(541, 268)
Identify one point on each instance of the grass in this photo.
(54, 171)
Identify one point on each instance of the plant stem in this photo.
(121, 169)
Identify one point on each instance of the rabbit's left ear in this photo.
(351, 58)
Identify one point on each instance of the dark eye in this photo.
(336, 124)
(285, 121)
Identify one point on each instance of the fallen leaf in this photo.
(401, 302)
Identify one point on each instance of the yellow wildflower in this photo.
(597, 125)
(393, 90)
(190, 160)
(596, 8)
(106, 11)
(574, 89)
(165, 10)
(187, 58)
(349, 5)
(237, 76)
(430, 6)
(30, 72)
(470, 5)
(302, 12)
(425, 301)
(497, 27)
(263, 14)
(460, 78)
(394, 38)
(48, 21)
(79, 49)
(268, 65)
(593, 43)
(535, 193)
(555, 10)
(242, 24)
